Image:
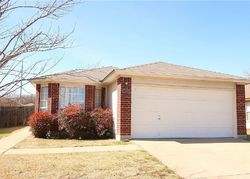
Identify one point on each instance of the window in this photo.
(72, 95)
(44, 98)
(98, 95)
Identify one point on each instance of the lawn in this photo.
(132, 164)
(31, 142)
(4, 132)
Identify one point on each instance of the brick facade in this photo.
(89, 97)
(240, 110)
(103, 94)
(124, 108)
(37, 102)
(53, 97)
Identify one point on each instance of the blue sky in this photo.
(209, 35)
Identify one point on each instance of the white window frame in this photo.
(71, 99)
(43, 99)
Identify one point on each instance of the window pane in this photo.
(98, 98)
(43, 98)
(71, 95)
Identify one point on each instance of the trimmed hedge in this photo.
(41, 123)
(103, 122)
(77, 123)
(73, 122)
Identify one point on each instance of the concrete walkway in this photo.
(202, 158)
(10, 141)
(111, 148)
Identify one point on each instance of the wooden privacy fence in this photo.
(14, 116)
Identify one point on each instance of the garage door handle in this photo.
(159, 118)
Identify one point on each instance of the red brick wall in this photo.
(103, 97)
(89, 97)
(53, 97)
(37, 102)
(124, 106)
(240, 110)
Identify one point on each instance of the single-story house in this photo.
(248, 106)
(157, 100)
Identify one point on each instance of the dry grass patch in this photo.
(32, 142)
(111, 165)
(4, 132)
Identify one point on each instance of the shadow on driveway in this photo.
(200, 140)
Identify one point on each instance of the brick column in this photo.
(89, 97)
(124, 108)
(241, 110)
(53, 97)
(37, 102)
(103, 94)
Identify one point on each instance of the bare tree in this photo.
(19, 41)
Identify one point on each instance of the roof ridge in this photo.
(90, 69)
(183, 66)
(78, 70)
(201, 69)
(141, 65)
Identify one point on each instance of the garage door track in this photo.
(202, 158)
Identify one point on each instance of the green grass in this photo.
(4, 132)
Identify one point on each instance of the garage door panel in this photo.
(184, 105)
(177, 118)
(179, 112)
(183, 132)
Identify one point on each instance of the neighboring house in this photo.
(7, 102)
(157, 100)
(248, 105)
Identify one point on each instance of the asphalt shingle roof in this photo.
(90, 75)
(163, 69)
(157, 69)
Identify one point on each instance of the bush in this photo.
(55, 132)
(73, 122)
(41, 123)
(77, 123)
(103, 122)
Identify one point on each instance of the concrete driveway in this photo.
(202, 158)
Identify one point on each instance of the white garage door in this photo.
(181, 112)
(248, 114)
